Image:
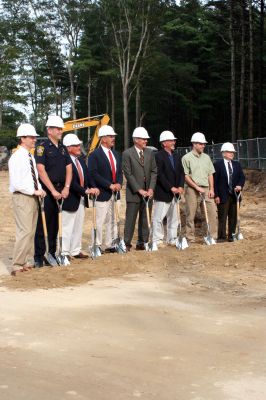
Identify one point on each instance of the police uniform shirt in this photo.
(54, 158)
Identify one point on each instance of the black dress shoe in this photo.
(38, 263)
(128, 247)
(110, 250)
(81, 255)
(140, 246)
(221, 240)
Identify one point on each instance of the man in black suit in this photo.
(105, 173)
(73, 206)
(228, 179)
(170, 182)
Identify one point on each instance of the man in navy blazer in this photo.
(105, 173)
(170, 182)
(228, 179)
(73, 207)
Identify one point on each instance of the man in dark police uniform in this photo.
(55, 172)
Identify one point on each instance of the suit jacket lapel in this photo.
(105, 158)
(136, 156)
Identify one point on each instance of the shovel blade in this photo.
(120, 246)
(151, 246)
(51, 260)
(240, 236)
(181, 243)
(94, 252)
(65, 260)
(209, 240)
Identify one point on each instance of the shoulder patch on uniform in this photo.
(40, 150)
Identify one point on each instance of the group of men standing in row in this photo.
(58, 173)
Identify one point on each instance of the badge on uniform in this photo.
(40, 150)
(63, 151)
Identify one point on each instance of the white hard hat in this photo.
(228, 147)
(140, 133)
(167, 135)
(26, 130)
(198, 137)
(106, 130)
(71, 139)
(55, 121)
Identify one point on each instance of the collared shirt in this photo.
(199, 167)
(138, 151)
(20, 176)
(54, 158)
(73, 158)
(226, 162)
(106, 151)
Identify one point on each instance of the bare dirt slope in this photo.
(169, 325)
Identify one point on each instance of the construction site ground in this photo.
(166, 325)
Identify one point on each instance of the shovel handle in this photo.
(94, 198)
(205, 208)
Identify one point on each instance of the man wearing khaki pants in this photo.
(199, 171)
(25, 188)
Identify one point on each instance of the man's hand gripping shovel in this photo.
(48, 256)
(94, 249)
(181, 241)
(118, 243)
(60, 258)
(208, 239)
(237, 235)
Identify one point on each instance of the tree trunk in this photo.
(138, 106)
(113, 104)
(242, 77)
(125, 111)
(72, 92)
(261, 68)
(1, 112)
(251, 73)
(233, 74)
(89, 106)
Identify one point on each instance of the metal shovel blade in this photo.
(237, 236)
(51, 260)
(120, 246)
(94, 252)
(151, 246)
(181, 243)
(64, 260)
(209, 240)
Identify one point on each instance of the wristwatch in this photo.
(67, 186)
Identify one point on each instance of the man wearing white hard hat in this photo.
(74, 205)
(228, 179)
(55, 170)
(25, 188)
(170, 183)
(199, 171)
(105, 173)
(140, 170)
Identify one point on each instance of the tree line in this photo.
(184, 66)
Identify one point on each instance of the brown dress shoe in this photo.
(140, 246)
(81, 255)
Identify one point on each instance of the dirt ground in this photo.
(174, 325)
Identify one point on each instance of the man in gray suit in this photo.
(140, 170)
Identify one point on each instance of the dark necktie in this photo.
(111, 158)
(81, 178)
(141, 157)
(230, 182)
(171, 158)
(35, 182)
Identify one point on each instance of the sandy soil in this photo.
(184, 325)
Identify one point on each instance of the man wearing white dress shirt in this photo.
(228, 179)
(105, 173)
(74, 206)
(25, 188)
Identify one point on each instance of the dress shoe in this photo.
(230, 239)
(128, 247)
(140, 246)
(81, 256)
(221, 240)
(38, 263)
(110, 250)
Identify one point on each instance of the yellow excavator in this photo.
(96, 121)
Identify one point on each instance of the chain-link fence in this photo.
(251, 153)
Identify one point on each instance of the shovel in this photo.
(48, 256)
(237, 235)
(60, 258)
(118, 243)
(94, 249)
(181, 241)
(208, 239)
(150, 246)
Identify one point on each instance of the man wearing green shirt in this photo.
(199, 172)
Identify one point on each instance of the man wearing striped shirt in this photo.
(25, 188)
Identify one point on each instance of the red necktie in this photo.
(111, 158)
(81, 178)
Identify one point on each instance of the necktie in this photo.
(171, 158)
(81, 178)
(35, 182)
(230, 181)
(141, 157)
(111, 158)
